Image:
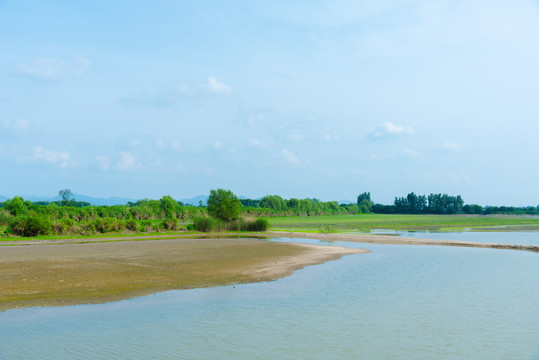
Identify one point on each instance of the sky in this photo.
(318, 99)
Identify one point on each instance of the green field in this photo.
(368, 222)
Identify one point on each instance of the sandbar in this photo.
(395, 240)
(98, 272)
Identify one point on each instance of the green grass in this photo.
(367, 222)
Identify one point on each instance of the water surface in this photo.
(399, 302)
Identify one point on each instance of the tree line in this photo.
(224, 211)
(441, 204)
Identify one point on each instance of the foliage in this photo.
(16, 206)
(223, 205)
(169, 206)
(5, 217)
(433, 204)
(31, 224)
(327, 229)
(170, 223)
(209, 224)
(66, 196)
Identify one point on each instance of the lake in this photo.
(398, 302)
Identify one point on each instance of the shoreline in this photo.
(394, 240)
(100, 272)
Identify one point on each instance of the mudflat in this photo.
(65, 274)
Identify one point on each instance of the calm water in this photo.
(399, 302)
(520, 238)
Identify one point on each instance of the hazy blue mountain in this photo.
(346, 202)
(78, 197)
(3, 198)
(195, 201)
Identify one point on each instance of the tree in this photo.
(224, 205)
(169, 206)
(66, 195)
(364, 202)
(15, 206)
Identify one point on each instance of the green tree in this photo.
(15, 206)
(169, 206)
(224, 205)
(364, 202)
(66, 195)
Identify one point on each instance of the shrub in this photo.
(132, 225)
(256, 225)
(5, 217)
(30, 225)
(328, 229)
(108, 224)
(209, 224)
(171, 223)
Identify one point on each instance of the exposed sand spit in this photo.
(64, 274)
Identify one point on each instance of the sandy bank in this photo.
(64, 274)
(395, 240)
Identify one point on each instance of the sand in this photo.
(81, 271)
(395, 240)
(66, 274)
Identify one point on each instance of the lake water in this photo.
(399, 302)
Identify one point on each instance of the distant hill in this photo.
(111, 200)
(196, 200)
(105, 201)
(346, 202)
(78, 197)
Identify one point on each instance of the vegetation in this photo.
(368, 222)
(225, 212)
(223, 205)
(68, 217)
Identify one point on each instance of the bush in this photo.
(5, 217)
(132, 225)
(328, 229)
(171, 224)
(257, 225)
(30, 225)
(209, 224)
(248, 225)
(65, 226)
(108, 224)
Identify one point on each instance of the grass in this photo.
(368, 222)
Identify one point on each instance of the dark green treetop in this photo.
(224, 205)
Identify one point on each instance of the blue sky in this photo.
(321, 99)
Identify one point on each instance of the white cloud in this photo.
(451, 146)
(104, 162)
(388, 129)
(406, 154)
(60, 158)
(330, 137)
(295, 135)
(54, 68)
(127, 162)
(176, 146)
(290, 158)
(19, 124)
(256, 143)
(213, 85)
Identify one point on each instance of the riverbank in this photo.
(97, 272)
(395, 240)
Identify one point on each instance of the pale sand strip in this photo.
(65, 274)
(395, 240)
